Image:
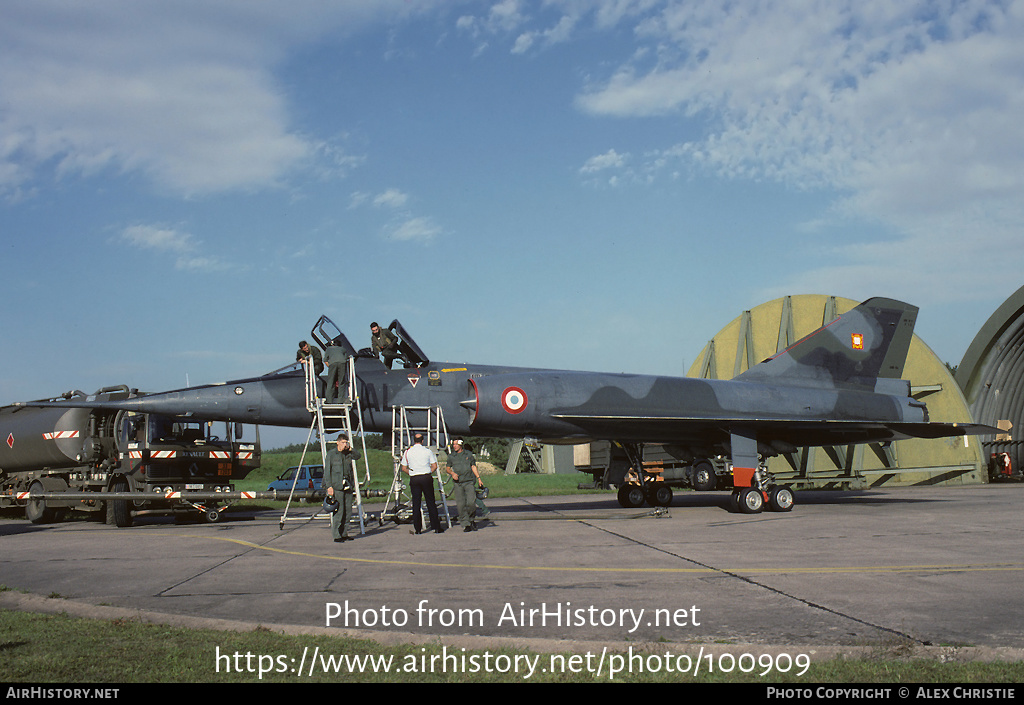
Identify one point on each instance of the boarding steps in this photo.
(333, 418)
(406, 422)
(522, 448)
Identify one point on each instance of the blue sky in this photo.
(592, 184)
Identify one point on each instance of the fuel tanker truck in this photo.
(118, 463)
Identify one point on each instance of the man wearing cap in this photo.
(340, 484)
(383, 343)
(461, 466)
(420, 463)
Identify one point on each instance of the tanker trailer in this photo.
(117, 463)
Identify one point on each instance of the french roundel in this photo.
(513, 400)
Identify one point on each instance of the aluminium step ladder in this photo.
(406, 422)
(331, 418)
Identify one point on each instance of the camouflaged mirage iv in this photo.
(839, 385)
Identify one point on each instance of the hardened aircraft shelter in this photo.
(992, 377)
(773, 326)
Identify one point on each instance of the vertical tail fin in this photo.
(868, 343)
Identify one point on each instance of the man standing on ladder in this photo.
(336, 360)
(420, 464)
(340, 484)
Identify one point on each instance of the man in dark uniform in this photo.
(462, 467)
(383, 343)
(340, 484)
(307, 351)
(336, 360)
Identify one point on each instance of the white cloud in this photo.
(154, 237)
(503, 17)
(405, 226)
(392, 198)
(512, 19)
(837, 95)
(609, 160)
(561, 32)
(161, 239)
(419, 229)
(181, 92)
(906, 112)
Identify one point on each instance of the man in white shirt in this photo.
(420, 463)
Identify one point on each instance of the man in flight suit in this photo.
(461, 466)
(336, 360)
(383, 343)
(307, 351)
(340, 484)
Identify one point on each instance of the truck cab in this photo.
(164, 455)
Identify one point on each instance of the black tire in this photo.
(36, 510)
(751, 501)
(781, 499)
(659, 495)
(403, 514)
(631, 496)
(119, 511)
(704, 478)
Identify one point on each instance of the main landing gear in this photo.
(763, 491)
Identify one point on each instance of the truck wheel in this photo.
(631, 496)
(751, 501)
(36, 510)
(210, 516)
(781, 499)
(119, 511)
(704, 478)
(659, 495)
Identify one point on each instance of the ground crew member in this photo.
(340, 484)
(420, 463)
(461, 466)
(307, 351)
(336, 360)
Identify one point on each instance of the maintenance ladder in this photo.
(406, 422)
(332, 418)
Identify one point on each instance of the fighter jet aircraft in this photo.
(839, 385)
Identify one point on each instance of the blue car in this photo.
(310, 478)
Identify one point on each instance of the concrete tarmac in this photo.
(916, 567)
